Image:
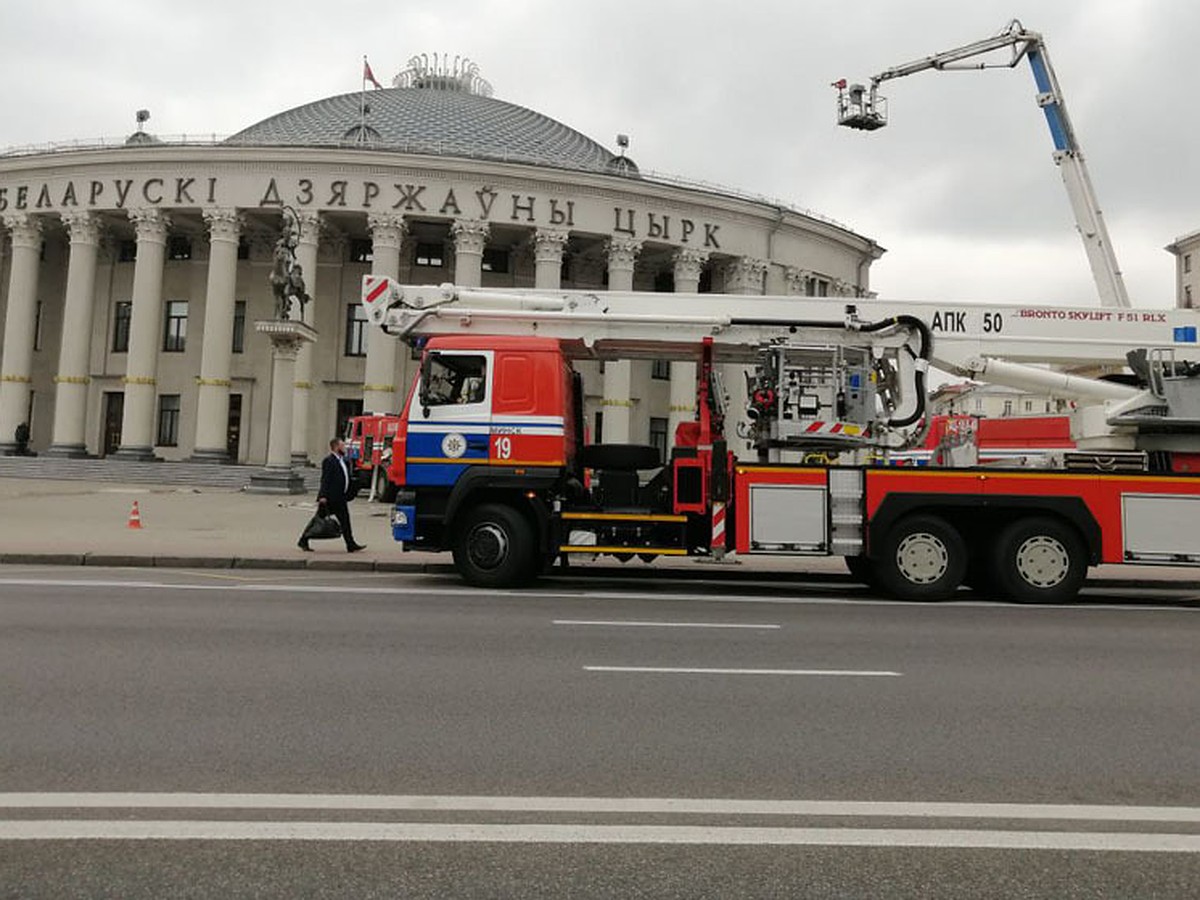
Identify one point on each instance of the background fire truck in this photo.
(369, 440)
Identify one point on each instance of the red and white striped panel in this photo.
(846, 428)
(718, 528)
(374, 292)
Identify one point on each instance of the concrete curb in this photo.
(129, 561)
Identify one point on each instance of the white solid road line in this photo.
(124, 830)
(631, 624)
(630, 805)
(663, 670)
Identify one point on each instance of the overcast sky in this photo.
(960, 187)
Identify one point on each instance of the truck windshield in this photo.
(456, 379)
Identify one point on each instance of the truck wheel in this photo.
(1040, 560)
(495, 547)
(923, 558)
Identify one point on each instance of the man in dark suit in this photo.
(336, 491)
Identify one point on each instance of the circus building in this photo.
(132, 271)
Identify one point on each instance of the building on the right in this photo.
(1186, 251)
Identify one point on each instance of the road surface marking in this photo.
(657, 670)
(632, 624)
(636, 805)
(125, 830)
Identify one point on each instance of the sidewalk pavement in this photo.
(79, 523)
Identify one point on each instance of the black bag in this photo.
(322, 527)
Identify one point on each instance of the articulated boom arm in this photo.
(1000, 344)
(865, 110)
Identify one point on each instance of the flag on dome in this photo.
(368, 75)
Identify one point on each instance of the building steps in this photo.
(120, 471)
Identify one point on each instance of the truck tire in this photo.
(923, 558)
(495, 547)
(1040, 560)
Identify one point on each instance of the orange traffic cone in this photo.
(135, 517)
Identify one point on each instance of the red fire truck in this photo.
(369, 440)
(491, 463)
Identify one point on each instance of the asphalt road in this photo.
(385, 735)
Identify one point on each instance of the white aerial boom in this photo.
(1001, 344)
(864, 109)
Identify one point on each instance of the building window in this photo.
(127, 251)
(356, 330)
(122, 314)
(243, 248)
(347, 409)
(179, 247)
(664, 282)
(1187, 262)
(239, 326)
(429, 255)
(1008, 407)
(978, 404)
(495, 261)
(37, 325)
(1028, 406)
(660, 369)
(168, 420)
(175, 330)
(362, 250)
(1187, 295)
(658, 436)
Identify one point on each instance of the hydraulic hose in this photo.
(926, 349)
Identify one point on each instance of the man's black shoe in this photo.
(356, 548)
(303, 545)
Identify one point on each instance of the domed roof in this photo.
(432, 120)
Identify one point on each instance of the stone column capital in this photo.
(622, 252)
(151, 225)
(470, 235)
(688, 263)
(796, 279)
(308, 223)
(387, 230)
(549, 244)
(744, 275)
(24, 229)
(224, 224)
(841, 288)
(83, 227)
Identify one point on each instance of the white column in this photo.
(688, 265)
(379, 379)
(618, 374)
(470, 237)
(744, 275)
(286, 336)
(145, 333)
(71, 382)
(216, 353)
(548, 247)
(16, 363)
(306, 259)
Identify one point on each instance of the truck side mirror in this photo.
(423, 387)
